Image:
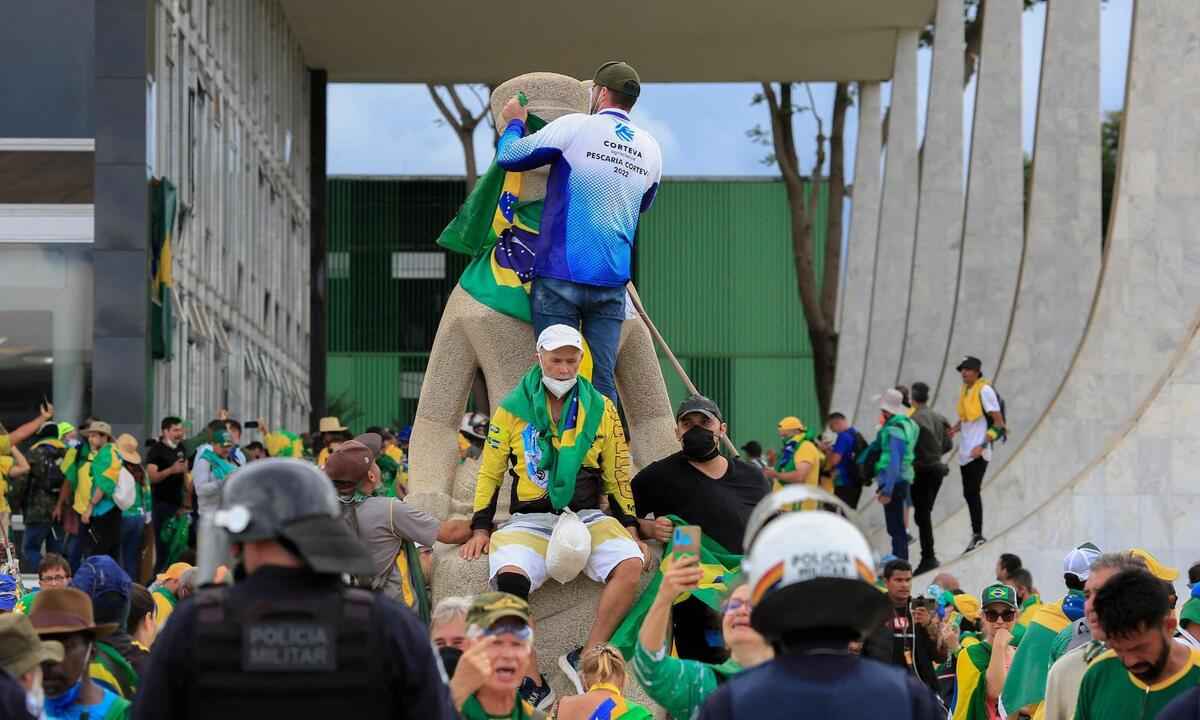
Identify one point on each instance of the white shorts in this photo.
(523, 541)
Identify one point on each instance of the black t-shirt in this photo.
(721, 507)
(163, 456)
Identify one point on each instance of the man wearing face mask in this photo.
(604, 173)
(65, 615)
(703, 488)
(562, 441)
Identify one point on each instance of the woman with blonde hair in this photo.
(603, 672)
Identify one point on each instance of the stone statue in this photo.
(473, 336)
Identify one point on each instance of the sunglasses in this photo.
(997, 615)
(734, 605)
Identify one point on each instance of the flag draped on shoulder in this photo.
(970, 693)
(719, 566)
(501, 234)
(1025, 685)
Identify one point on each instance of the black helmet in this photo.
(291, 500)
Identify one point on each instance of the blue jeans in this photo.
(601, 310)
(893, 514)
(35, 535)
(131, 544)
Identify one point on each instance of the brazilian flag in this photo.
(719, 565)
(970, 688)
(1025, 685)
(502, 235)
(162, 227)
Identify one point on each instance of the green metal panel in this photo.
(715, 270)
(713, 266)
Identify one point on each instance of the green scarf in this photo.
(170, 596)
(217, 465)
(472, 710)
(583, 408)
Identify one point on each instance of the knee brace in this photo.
(513, 583)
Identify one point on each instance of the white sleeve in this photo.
(991, 403)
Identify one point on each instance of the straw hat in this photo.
(331, 425)
(59, 611)
(127, 448)
(20, 648)
(95, 427)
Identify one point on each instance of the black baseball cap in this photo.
(753, 448)
(970, 362)
(700, 404)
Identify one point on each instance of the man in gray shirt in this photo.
(928, 470)
(390, 528)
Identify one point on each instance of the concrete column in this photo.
(940, 207)
(855, 305)
(897, 227)
(318, 233)
(121, 377)
(1061, 265)
(993, 236)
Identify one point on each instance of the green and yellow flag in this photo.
(719, 566)
(162, 227)
(502, 235)
(970, 689)
(1026, 682)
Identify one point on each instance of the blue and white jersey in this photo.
(604, 172)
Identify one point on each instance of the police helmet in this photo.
(292, 501)
(809, 566)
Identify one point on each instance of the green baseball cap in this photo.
(999, 593)
(619, 76)
(490, 607)
(222, 438)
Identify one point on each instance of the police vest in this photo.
(315, 652)
(873, 691)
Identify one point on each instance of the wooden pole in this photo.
(662, 343)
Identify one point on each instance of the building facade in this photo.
(211, 99)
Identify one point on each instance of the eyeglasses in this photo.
(997, 615)
(49, 579)
(734, 605)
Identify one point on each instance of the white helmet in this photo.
(471, 422)
(809, 566)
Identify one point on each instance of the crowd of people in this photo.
(200, 577)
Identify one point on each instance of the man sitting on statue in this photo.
(563, 443)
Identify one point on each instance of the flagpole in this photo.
(662, 344)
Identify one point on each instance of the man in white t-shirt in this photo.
(980, 423)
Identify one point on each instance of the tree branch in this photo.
(441, 106)
(837, 194)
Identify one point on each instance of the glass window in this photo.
(46, 300)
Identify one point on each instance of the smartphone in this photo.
(686, 540)
(250, 425)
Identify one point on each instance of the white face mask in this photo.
(558, 387)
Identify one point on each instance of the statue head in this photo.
(550, 97)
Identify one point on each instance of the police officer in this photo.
(289, 639)
(812, 580)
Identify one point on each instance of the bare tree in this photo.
(820, 305)
(464, 120)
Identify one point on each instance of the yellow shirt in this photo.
(6, 464)
(505, 449)
(323, 456)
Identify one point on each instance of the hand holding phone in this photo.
(686, 540)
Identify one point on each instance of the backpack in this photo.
(860, 444)
(44, 470)
(1003, 415)
(125, 493)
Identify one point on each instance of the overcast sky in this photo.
(394, 130)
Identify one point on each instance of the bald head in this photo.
(946, 581)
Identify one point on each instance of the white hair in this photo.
(449, 610)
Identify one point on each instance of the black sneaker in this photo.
(539, 696)
(570, 667)
(927, 564)
(911, 539)
(976, 541)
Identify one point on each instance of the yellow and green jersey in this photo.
(512, 446)
(970, 682)
(798, 449)
(1110, 692)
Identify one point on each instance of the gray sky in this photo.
(393, 130)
